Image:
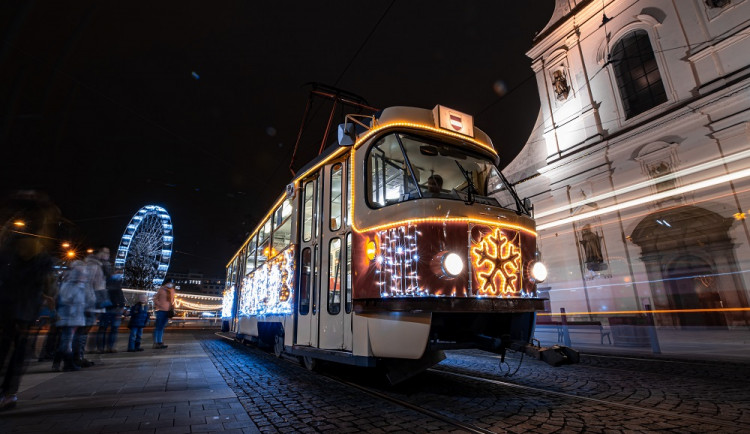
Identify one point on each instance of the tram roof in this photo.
(402, 118)
(390, 118)
(327, 152)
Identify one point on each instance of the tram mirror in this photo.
(428, 150)
(346, 134)
(527, 205)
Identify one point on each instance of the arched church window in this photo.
(637, 74)
(717, 3)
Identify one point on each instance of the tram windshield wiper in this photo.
(471, 189)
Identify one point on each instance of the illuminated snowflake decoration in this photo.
(227, 303)
(497, 263)
(268, 289)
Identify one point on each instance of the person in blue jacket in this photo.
(138, 320)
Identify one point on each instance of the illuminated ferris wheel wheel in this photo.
(146, 247)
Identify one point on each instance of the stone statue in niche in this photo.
(560, 84)
(592, 248)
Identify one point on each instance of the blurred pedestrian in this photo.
(75, 303)
(138, 320)
(164, 307)
(109, 321)
(96, 298)
(29, 222)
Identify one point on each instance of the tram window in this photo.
(309, 206)
(497, 189)
(304, 283)
(336, 199)
(348, 274)
(251, 253)
(442, 170)
(264, 252)
(390, 179)
(282, 232)
(334, 276)
(265, 231)
(282, 236)
(286, 209)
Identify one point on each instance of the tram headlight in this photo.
(539, 271)
(371, 250)
(453, 264)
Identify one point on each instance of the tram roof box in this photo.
(439, 117)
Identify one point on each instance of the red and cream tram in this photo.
(401, 241)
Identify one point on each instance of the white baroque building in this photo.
(639, 163)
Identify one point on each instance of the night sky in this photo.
(196, 106)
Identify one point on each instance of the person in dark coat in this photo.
(29, 222)
(138, 320)
(109, 321)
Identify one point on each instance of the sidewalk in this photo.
(172, 390)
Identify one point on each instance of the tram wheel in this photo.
(308, 362)
(278, 344)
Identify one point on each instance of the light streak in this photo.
(182, 304)
(630, 217)
(640, 282)
(650, 198)
(623, 312)
(644, 184)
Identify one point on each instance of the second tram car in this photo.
(399, 242)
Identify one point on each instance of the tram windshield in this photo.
(404, 167)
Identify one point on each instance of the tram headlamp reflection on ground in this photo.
(453, 265)
(539, 272)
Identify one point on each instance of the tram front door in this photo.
(324, 307)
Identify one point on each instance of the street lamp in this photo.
(71, 254)
(19, 223)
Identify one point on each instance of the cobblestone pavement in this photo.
(281, 396)
(173, 390)
(206, 383)
(602, 394)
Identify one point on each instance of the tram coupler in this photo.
(555, 355)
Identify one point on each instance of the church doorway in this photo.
(690, 285)
(690, 260)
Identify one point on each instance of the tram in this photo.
(398, 242)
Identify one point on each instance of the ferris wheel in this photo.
(146, 247)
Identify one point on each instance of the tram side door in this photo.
(309, 263)
(333, 266)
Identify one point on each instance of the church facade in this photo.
(639, 163)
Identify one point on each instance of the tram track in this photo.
(458, 424)
(629, 407)
(385, 395)
(587, 366)
(379, 395)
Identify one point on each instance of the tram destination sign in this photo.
(453, 120)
